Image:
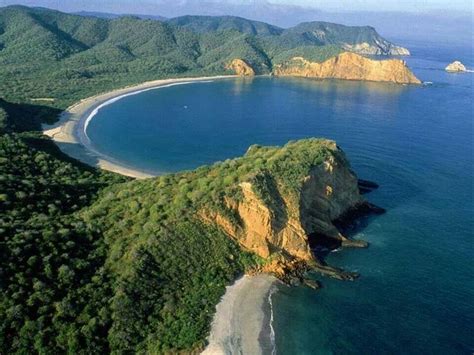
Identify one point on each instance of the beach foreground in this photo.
(69, 134)
(242, 323)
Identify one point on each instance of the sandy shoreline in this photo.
(241, 316)
(68, 132)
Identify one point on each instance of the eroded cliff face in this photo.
(240, 67)
(277, 220)
(350, 66)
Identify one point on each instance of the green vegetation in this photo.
(91, 262)
(52, 282)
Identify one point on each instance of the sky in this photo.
(397, 20)
(141, 6)
(381, 5)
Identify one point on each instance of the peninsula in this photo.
(262, 212)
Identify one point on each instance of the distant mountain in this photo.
(361, 39)
(203, 24)
(109, 16)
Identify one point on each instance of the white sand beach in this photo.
(69, 135)
(240, 317)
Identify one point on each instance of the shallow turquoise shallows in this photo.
(416, 290)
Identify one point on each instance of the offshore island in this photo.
(126, 265)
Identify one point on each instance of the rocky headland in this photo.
(349, 66)
(345, 66)
(292, 203)
(279, 203)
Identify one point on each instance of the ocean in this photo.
(416, 289)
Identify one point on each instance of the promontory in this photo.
(349, 66)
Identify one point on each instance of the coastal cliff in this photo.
(349, 66)
(287, 205)
(346, 66)
(240, 67)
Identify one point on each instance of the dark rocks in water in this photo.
(361, 210)
(354, 243)
(320, 242)
(367, 183)
(334, 272)
(366, 186)
(315, 285)
(374, 209)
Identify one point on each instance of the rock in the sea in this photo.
(315, 285)
(366, 186)
(456, 67)
(240, 67)
(350, 66)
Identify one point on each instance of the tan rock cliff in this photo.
(350, 66)
(280, 224)
(240, 67)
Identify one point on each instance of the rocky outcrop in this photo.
(350, 66)
(456, 67)
(281, 219)
(240, 67)
(378, 48)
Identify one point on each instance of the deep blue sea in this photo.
(416, 290)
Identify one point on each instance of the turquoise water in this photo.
(416, 290)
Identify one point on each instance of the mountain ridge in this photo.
(39, 45)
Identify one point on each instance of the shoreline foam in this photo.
(240, 317)
(69, 133)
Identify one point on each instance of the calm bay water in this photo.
(416, 290)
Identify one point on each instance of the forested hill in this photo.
(50, 54)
